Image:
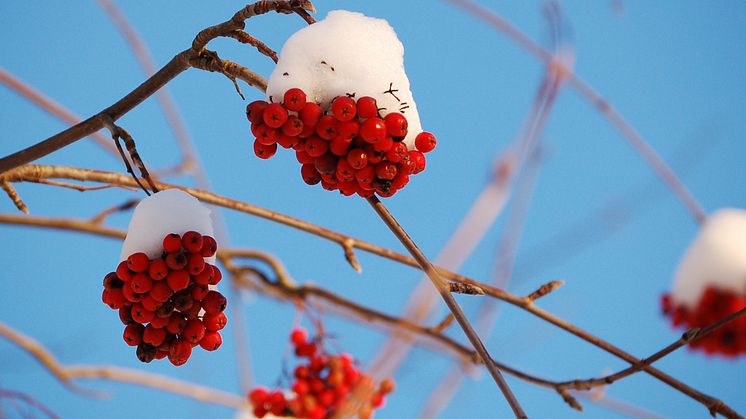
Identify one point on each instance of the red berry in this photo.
(301, 387)
(111, 280)
(123, 271)
(264, 151)
(400, 180)
(138, 262)
(308, 130)
(255, 110)
(194, 331)
(386, 386)
(209, 246)
(292, 127)
(158, 269)
(154, 336)
(357, 158)
(214, 302)
(348, 129)
(114, 298)
(159, 322)
(287, 141)
(216, 276)
(178, 280)
(419, 161)
(274, 115)
(384, 145)
(373, 130)
(211, 341)
(366, 175)
(299, 336)
(317, 412)
(176, 261)
(192, 241)
(307, 349)
(184, 302)
(425, 142)
(294, 99)
(327, 128)
(133, 334)
(326, 164)
(199, 292)
(396, 125)
(179, 352)
(195, 264)
(343, 108)
(149, 303)
(125, 315)
(386, 170)
(303, 157)
(141, 283)
(348, 188)
(315, 146)
(310, 175)
(345, 171)
(374, 157)
(310, 114)
(140, 314)
(258, 395)
(172, 243)
(266, 135)
(204, 277)
(367, 107)
(176, 323)
(214, 322)
(397, 152)
(340, 145)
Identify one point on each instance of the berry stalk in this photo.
(444, 290)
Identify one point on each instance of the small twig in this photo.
(442, 287)
(13, 195)
(245, 38)
(125, 206)
(349, 248)
(443, 324)
(78, 187)
(10, 394)
(468, 289)
(118, 133)
(544, 290)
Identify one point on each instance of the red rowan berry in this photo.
(158, 269)
(384, 145)
(264, 151)
(177, 280)
(396, 125)
(343, 108)
(373, 130)
(339, 146)
(145, 353)
(274, 115)
(133, 334)
(114, 298)
(159, 322)
(287, 141)
(397, 152)
(205, 277)
(357, 158)
(149, 303)
(154, 336)
(172, 243)
(386, 170)
(179, 352)
(348, 129)
(255, 110)
(266, 135)
(176, 323)
(303, 157)
(345, 171)
(327, 128)
(316, 146)
(298, 336)
(199, 292)
(192, 242)
(129, 294)
(123, 271)
(214, 302)
(294, 99)
(141, 283)
(194, 331)
(183, 301)
(211, 341)
(326, 164)
(216, 276)
(425, 142)
(125, 315)
(209, 246)
(138, 262)
(195, 263)
(367, 107)
(140, 314)
(111, 280)
(214, 322)
(419, 160)
(292, 127)
(310, 114)
(258, 395)
(176, 261)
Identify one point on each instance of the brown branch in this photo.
(52, 107)
(10, 394)
(194, 57)
(461, 288)
(35, 172)
(245, 38)
(125, 206)
(67, 374)
(602, 105)
(13, 195)
(543, 290)
(445, 293)
(78, 187)
(118, 133)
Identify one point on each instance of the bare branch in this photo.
(13, 195)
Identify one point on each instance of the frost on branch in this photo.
(168, 211)
(347, 53)
(711, 283)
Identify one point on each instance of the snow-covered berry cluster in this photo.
(348, 147)
(711, 284)
(320, 385)
(166, 303)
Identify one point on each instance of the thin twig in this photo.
(13, 195)
(125, 206)
(245, 38)
(28, 400)
(442, 287)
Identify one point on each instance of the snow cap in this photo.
(165, 212)
(347, 53)
(716, 257)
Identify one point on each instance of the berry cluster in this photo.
(166, 303)
(348, 147)
(713, 305)
(320, 386)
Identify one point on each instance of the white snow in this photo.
(164, 212)
(716, 257)
(347, 53)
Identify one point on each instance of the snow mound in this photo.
(347, 53)
(165, 212)
(716, 257)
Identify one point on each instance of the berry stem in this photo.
(444, 289)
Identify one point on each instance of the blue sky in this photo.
(673, 69)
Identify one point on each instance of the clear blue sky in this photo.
(674, 69)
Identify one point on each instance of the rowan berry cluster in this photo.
(320, 386)
(166, 303)
(713, 305)
(348, 147)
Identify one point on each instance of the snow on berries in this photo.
(319, 386)
(711, 283)
(340, 98)
(164, 288)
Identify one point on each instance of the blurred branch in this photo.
(10, 394)
(602, 105)
(68, 374)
